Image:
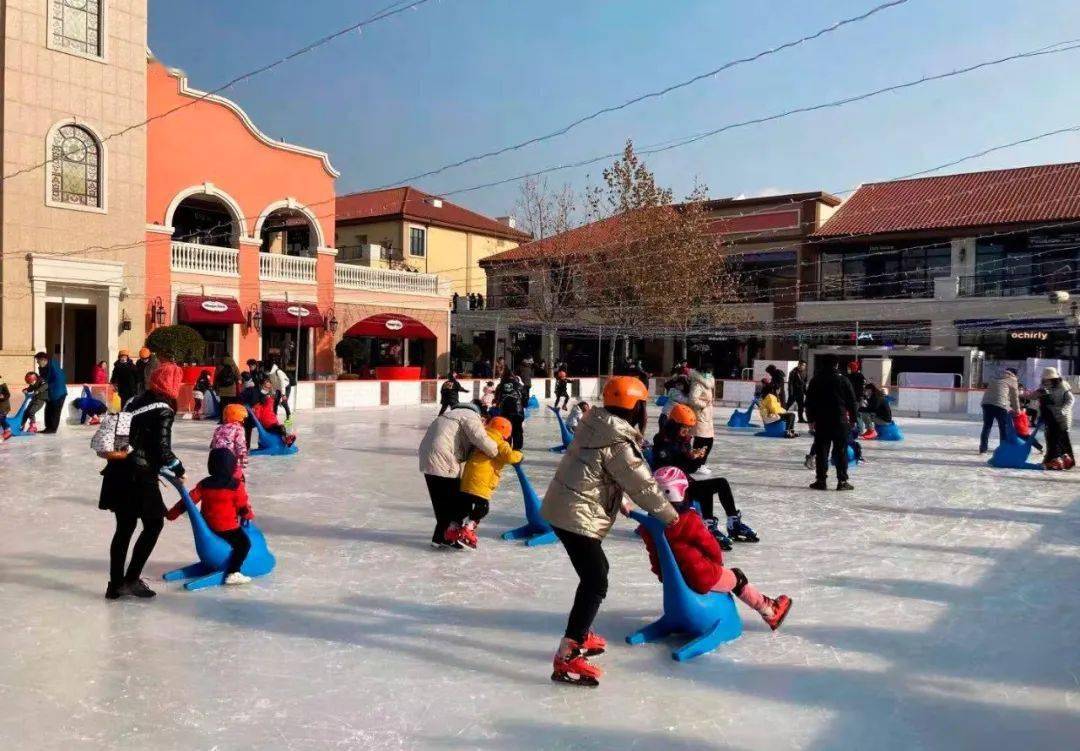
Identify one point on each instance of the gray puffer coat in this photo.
(603, 462)
(450, 438)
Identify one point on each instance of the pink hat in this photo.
(673, 483)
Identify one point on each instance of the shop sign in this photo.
(1029, 336)
(214, 306)
(394, 324)
(297, 311)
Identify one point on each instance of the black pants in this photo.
(838, 444)
(144, 546)
(241, 545)
(282, 400)
(517, 436)
(472, 507)
(445, 406)
(801, 402)
(31, 413)
(445, 495)
(705, 443)
(1058, 443)
(249, 426)
(588, 559)
(703, 491)
(53, 411)
(564, 397)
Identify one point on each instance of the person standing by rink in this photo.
(603, 463)
(56, 385)
(124, 377)
(448, 392)
(1056, 403)
(702, 394)
(797, 390)
(1002, 397)
(443, 451)
(830, 407)
(510, 399)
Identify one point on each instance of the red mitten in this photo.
(174, 513)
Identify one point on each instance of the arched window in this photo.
(75, 26)
(76, 167)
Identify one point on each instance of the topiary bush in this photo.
(178, 343)
(351, 351)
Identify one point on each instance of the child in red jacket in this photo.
(265, 412)
(699, 557)
(224, 504)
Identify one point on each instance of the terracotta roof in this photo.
(416, 205)
(587, 238)
(1044, 193)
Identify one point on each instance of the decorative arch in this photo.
(101, 167)
(209, 189)
(292, 203)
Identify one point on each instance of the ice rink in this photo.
(936, 607)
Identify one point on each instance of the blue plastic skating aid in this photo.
(662, 400)
(1014, 451)
(531, 406)
(15, 421)
(213, 551)
(536, 531)
(776, 429)
(740, 419)
(88, 406)
(710, 618)
(564, 431)
(890, 431)
(270, 444)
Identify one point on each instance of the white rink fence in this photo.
(909, 402)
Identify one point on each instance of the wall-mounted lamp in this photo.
(330, 321)
(125, 321)
(254, 317)
(157, 312)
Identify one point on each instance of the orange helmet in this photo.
(144, 352)
(624, 392)
(503, 426)
(235, 413)
(683, 415)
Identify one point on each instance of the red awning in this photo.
(223, 311)
(391, 326)
(278, 314)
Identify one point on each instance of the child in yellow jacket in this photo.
(479, 480)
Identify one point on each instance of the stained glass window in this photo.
(76, 25)
(75, 175)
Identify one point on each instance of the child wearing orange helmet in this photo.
(38, 391)
(479, 481)
(230, 435)
(603, 464)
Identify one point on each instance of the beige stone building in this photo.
(73, 204)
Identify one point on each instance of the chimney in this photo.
(509, 221)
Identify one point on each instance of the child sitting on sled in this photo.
(479, 481)
(266, 413)
(698, 554)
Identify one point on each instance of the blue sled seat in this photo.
(536, 530)
(213, 551)
(776, 429)
(270, 444)
(662, 400)
(890, 431)
(15, 421)
(740, 419)
(711, 619)
(1013, 452)
(564, 432)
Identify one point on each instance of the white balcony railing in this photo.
(383, 280)
(281, 268)
(204, 259)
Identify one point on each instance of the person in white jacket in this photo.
(443, 452)
(279, 381)
(702, 393)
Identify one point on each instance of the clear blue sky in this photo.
(456, 77)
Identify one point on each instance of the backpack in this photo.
(110, 441)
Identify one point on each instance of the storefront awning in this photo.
(221, 311)
(279, 314)
(391, 326)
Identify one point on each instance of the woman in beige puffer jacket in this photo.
(702, 393)
(603, 464)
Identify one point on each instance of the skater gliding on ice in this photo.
(602, 464)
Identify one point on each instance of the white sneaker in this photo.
(702, 472)
(237, 578)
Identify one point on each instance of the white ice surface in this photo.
(935, 607)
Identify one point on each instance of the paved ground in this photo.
(935, 607)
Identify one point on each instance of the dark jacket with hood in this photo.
(830, 404)
(125, 378)
(131, 484)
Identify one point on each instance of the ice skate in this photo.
(1067, 462)
(845, 485)
(7, 433)
(95, 420)
(467, 536)
(137, 588)
(236, 578)
(114, 591)
(575, 668)
(594, 644)
(779, 607)
(714, 529)
(869, 435)
(739, 531)
(32, 428)
(809, 461)
(1054, 464)
(819, 485)
(290, 439)
(702, 472)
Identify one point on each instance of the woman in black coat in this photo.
(130, 488)
(125, 377)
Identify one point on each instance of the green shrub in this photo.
(179, 343)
